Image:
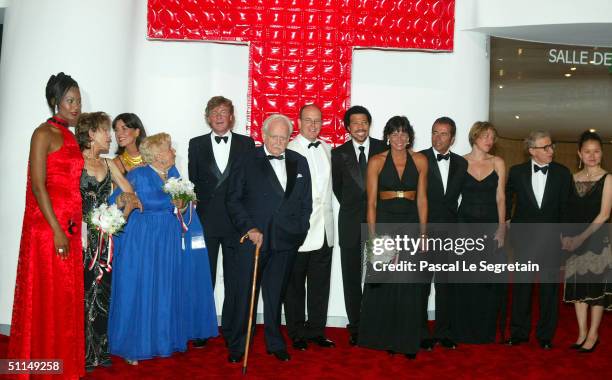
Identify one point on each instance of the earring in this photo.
(580, 164)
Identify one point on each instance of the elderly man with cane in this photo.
(269, 200)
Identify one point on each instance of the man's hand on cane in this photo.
(255, 236)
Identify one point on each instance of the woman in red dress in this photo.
(48, 315)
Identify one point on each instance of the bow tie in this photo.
(271, 157)
(441, 157)
(314, 144)
(219, 138)
(537, 168)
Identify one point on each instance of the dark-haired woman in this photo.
(588, 270)
(48, 305)
(93, 136)
(129, 133)
(397, 193)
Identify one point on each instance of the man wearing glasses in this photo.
(541, 187)
(314, 257)
(349, 164)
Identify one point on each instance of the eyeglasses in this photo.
(312, 122)
(545, 147)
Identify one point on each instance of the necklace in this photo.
(130, 161)
(162, 173)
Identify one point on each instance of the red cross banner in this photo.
(300, 51)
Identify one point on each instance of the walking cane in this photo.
(250, 325)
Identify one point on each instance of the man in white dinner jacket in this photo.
(313, 261)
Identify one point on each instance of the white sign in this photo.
(580, 57)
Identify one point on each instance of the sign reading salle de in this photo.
(580, 57)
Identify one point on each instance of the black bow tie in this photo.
(441, 157)
(314, 144)
(271, 157)
(537, 168)
(219, 138)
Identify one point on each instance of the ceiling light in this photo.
(592, 62)
(572, 68)
(520, 51)
(501, 86)
(592, 130)
(500, 59)
(517, 117)
(501, 72)
(568, 75)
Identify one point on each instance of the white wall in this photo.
(103, 46)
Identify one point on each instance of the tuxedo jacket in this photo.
(556, 193)
(256, 199)
(442, 206)
(211, 184)
(322, 217)
(350, 190)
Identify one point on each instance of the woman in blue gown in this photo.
(162, 292)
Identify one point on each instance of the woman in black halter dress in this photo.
(477, 305)
(391, 312)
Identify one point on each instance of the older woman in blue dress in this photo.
(161, 294)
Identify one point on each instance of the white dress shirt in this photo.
(279, 169)
(318, 163)
(366, 145)
(538, 182)
(443, 166)
(221, 149)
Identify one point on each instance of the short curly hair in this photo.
(150, 146)
(90, 121)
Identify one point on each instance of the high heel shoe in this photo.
(583, 350)
(577, 346)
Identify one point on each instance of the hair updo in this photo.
(57, 86)
(589, 136)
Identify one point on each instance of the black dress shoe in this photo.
(428, 344)
(448, 343)
(353, 339)
(576, 346)
(322, 341)
(235, 357)
(281, 355)
(410, 356)
(199, 343)
(546, 344)
(300, 344)
(583, 350)
(516, 341)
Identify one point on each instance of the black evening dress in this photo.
(391, 313)
(475, 306)
(97, 289)
(588, 271)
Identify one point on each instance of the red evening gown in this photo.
(48, 309)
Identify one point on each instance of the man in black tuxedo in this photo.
(269, 200)
(446, 173)
(349, 163)
(211, 157)
(541, 188)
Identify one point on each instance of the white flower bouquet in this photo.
(180, 189)
(107, 219)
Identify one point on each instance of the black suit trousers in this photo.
(352, 267)
(228, 244)
(314, 267)
(272, 277)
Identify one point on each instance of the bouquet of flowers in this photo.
(108, 220)
(181, 189)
